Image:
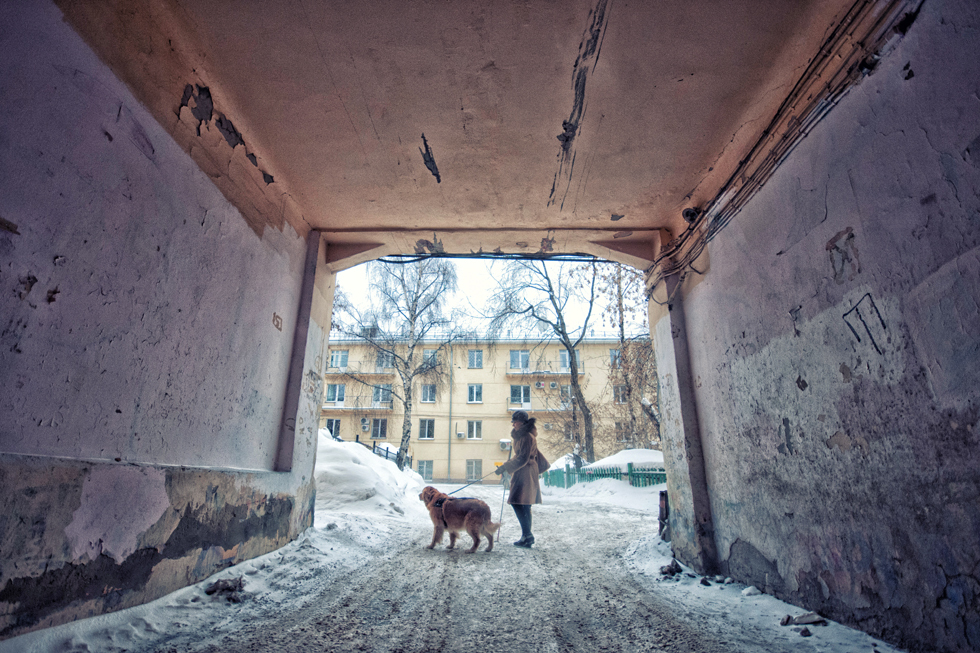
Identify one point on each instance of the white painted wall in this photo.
(147, 333)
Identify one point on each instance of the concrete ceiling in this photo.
(597, 115)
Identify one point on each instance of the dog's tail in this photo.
(491, 528)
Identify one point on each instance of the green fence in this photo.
(635, 475)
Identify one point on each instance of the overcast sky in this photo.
(475, 285)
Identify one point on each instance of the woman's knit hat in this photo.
(520, 416)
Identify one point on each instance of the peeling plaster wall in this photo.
(835, 351)
(145, 340)
(139, 317)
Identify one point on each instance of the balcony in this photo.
(360, 368)
(543, 368)
(358, 404)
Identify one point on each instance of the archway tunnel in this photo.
(799, 182)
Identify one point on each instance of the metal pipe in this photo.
(449, 450)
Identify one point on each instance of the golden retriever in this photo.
(455, 515)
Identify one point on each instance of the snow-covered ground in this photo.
(365, 506)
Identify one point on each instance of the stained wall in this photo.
(146, 333)
(835, 356)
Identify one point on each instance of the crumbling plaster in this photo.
(117, 302)
(146, 336)
(835, 356)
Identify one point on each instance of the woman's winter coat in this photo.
(523, 467)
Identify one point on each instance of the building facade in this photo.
(461, 417)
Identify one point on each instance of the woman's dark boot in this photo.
(525, 542)
(524, 519)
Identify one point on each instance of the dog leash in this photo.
(500, 520)
(502, 499)
(467, 485)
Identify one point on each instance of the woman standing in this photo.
(523, 467)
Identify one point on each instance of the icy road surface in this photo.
(571, 592)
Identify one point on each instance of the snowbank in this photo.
(351, 478)
(639, 457)
(636, 456)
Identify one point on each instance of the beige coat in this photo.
(523, 466)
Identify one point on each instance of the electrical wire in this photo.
(823, 88)
(405, 259)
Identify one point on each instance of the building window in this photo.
(333, 425)
(476, 359)
(425, 470)
(520, 395)
(474, 470)
(520, 359)
(565, 365)
(379, 428)
(428, 393)
(430, 356)
(385, 360)
(614, 360)
(566, 396)
(474, 430)
(338, 358)
(381, 397)
(427, 429)
(335, 392)
(621, 432)
(620, 394)
(475, 393)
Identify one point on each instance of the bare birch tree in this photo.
(537, 298)
(406, 322)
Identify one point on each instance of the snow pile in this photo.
(610, 490)
(567, 459)
(639, 458)
(351, 478)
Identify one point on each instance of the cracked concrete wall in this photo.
(145, 341)
(835, 349)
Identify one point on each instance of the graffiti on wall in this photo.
(864, 319)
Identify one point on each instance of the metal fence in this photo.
(637, 476)
(388, 454)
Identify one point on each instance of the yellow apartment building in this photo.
(461, 421)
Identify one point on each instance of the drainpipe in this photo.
(449, 450)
